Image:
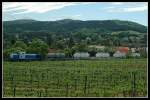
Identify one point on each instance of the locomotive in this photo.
(22, 56)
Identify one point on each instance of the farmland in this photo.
(76, 78)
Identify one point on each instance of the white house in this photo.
(133, 49)
(102, 55)
(81, 55)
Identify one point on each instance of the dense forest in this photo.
(68, 33)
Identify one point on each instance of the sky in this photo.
(51, 11)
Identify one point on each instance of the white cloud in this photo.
(117, 3)
(128, 7)
(38, 7)
(136, 9)
(42, 7)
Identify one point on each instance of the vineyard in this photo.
(76, 78)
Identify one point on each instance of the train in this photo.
(56, 56)
(24, 57)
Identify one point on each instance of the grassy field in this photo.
(76, 78)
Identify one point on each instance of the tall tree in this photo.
(38, 46)
(21, 44)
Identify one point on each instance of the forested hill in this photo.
(93, 32)
(69, 25)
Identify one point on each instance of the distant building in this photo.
(137, 50)
(97, 47)
(133, 50)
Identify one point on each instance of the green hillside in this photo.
(91, 32)
(68, 25)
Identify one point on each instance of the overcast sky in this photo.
(49, 11)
